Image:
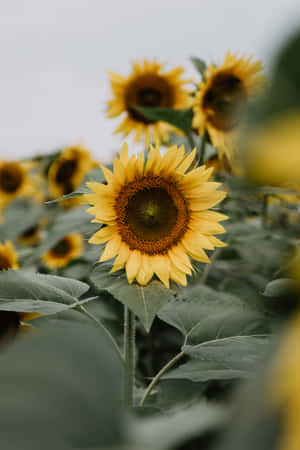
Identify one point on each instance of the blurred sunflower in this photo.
(147, 86)
(68, 248)
(284, 387)
(272, 155)
(67, 172)
(32, 235)
(156, 215)
(17, 181)
(221, 99)
(12, 322)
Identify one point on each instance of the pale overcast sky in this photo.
(54, 54)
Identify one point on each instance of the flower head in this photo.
(68, 248)
(147, 86)
(220, 101)
(156, 215)
(16, 181)
(67, 172)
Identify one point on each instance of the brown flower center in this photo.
(152, 215)
(64, 174)
(224, 102)
(148, 91)
(62, 248)
(9, 325)
(5, 263)
(11, 178)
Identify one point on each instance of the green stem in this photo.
(191, 141)
(129, 356)
(202, 148)
(106, 331)
(159, 375)
(265, 211)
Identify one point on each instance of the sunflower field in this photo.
(152, 303)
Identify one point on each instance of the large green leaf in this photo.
(61, 389)
(171, 431)
(201, 314)
(180, 118)
(222, 359)
(32, 292)
(144, 301)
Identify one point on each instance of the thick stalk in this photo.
(129, 356)
(202, 148)
(159, 375)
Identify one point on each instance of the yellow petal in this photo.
(119, 171)
(153, 161)
(121, 258)
(103, 235)
(124, 154)
(146, 272)
(178, 276)
(161, 267)
(186, 163)
(196, 253)
(111, 248)
(140, 165)
(133, 265)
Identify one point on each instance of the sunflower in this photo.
(272, 153)
(17, 181)
(67, 172)
(221, 99)
(11, 322)
(156, 215)
(68, 248)
(31, 236)
(147, 86)
(8, 256)
(284, 389)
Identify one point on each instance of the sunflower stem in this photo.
(265, 211)
(129, 356)
(202, 148)
(158, 376)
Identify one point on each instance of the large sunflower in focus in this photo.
(12, 322)
(17, 181)
(222, 97)
(67, 172)
(147, 86)
(67, 249)
(156, 215)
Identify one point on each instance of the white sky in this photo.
(54, 54)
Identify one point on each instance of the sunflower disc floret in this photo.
(155, 215)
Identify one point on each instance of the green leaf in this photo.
(201, 314)
(180, 118)
(32, 292)
(171, 431)
(199, 65)
(280, 287)
(70, 379)
(222, 359)
(92, 176)
(144, 301)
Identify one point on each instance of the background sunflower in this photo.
(147, 86)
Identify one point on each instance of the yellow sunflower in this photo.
(67, 172)
(31, 236)
(17, 181)
(272, 153)
(156, 215)
(284, 388)
(220, 101)
(147, 86)
(68, 248)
